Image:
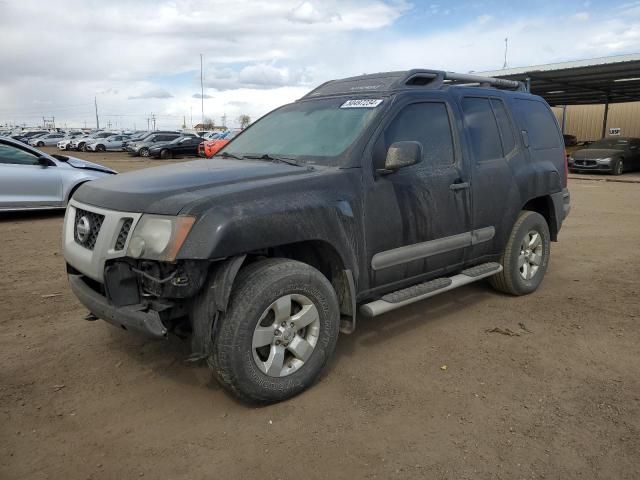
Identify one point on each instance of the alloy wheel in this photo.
(530, 258)
(286, 335)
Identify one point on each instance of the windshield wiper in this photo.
(275, 158)
(228, 155)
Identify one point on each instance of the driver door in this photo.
(417, 218)
(25, 183)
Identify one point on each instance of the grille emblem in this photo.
(83, 228)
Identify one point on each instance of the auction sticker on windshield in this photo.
(362, 103)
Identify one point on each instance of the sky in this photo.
(138, 59)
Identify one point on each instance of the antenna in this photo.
(506, 49)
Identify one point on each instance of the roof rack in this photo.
(392, 81)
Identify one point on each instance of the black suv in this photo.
(368, 194)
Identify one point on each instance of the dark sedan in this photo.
(612, 155)
(187, 145)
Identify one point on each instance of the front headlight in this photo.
(159, 237)
(604, 160)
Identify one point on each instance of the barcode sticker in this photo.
(362, 103)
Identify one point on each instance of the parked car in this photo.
(187, 145)
(614, 155)
(142, 147)
(80, 143)
(32, 179)
(25, 137)
(65, 143)
(112, 143)
(368, 194)
(46, 140)
(209, 148)
(140, 136)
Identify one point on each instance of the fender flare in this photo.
(210, 302)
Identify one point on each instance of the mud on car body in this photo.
(367, 194)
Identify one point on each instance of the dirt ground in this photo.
(429, 391)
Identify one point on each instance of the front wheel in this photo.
(278, 333)
(40, 144)
(165, 154)
(82, 147)
(526, 256)
(618, 167)
(144, 152)
(101, 148)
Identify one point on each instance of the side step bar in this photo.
(415, 293)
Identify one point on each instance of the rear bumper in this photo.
(132, 317)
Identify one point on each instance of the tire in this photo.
(165, 154)
(618, 167)
(512, 279)
(143, 152)
(40, 144)
(82, 147)
(247, 372)
(67, 147)
(101, 148)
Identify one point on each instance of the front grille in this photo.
(124, 233)
(586, 163)
(89, 224)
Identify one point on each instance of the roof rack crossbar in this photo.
(485, 81)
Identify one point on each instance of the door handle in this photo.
(459, 186)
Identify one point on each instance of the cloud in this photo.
(259, 76)
(199, 96)
(151, 94)
(582, 16)
(309, 12)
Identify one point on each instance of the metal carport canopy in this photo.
(596, 81)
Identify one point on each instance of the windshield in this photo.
(315, 131)
(610, 143)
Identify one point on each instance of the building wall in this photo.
(585, 121)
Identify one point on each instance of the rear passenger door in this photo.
(493, 145)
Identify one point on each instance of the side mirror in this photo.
(400, 155)
(44, 162)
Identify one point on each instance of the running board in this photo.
(421, 291)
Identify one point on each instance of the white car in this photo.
(113, 142)
(81, 142)
(46, 140)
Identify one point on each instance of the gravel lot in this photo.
(469, 385)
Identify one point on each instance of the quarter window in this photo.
(427, 123)
(542, 128)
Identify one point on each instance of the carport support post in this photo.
(564, 117)
(605, 117)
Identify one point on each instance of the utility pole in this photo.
(148, 119)
(191, 114)
(224, 120)
(201, 92)
(95, 102)
(153, 119)
(506, 49)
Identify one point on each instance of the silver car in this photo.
(31, 179)
(113, 142)
(47, 140)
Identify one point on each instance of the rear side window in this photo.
(540, 124)
(427, 123)
(483, 129)
(505, 126)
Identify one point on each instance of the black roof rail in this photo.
(386, 82)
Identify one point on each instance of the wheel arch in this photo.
(544, 206)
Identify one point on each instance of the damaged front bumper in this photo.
(137, 317)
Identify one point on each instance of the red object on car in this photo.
(209, 148)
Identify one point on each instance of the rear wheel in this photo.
(165, 154)
(526, 256)
(278, 333)
(40, 144)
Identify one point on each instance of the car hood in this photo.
(169, 189)
(83, 164)
(595, 153)
(156, 145)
